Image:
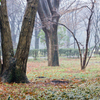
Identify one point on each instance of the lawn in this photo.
(66, 82)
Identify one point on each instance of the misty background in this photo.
(76, 20)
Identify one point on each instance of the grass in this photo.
(81, 86)
(68, 68)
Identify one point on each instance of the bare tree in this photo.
(48, 13)
(83, 60)
(95, 27)
(88, 35)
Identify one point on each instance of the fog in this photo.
(75, 20)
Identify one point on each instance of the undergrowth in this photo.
(75, 84)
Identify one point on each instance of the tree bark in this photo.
(6, 41)
(48, 14)
(24, 41)
(52, 45)
(0, 41)
(16, 65)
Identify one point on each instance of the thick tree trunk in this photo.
(16, 66)
(55, 47)
(7, 47)
(24, 41)
(49, 17)
(52, 45)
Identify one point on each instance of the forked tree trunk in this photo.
(88, 37)
(49, 17)
(16, 71)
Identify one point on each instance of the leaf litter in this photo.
(44, 79)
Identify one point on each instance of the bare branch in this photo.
(91, 53)
(68, 11)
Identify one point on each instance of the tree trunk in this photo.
(24, 41)
(96, 46)
(87, 38)
(49, 17)
(36, 39)
(16, 71)
(36, 34)
(0, 41)
(52, 45)
(6, 43)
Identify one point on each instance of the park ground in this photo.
(64, 82)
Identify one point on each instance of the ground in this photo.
(66, 82)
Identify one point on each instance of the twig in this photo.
(91, 54)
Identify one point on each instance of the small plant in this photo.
(8, 98)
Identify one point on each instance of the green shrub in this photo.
(69, 52)
(43, 52)
(35, 53)
(62, 52)
(30, 53)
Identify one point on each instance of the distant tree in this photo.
(37, 30)
(15, 14)
(83, 60)
(96, 28)
(48, 14)
(14, 66)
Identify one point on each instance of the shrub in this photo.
(35, 53)
(43, 52)
(62, 52)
